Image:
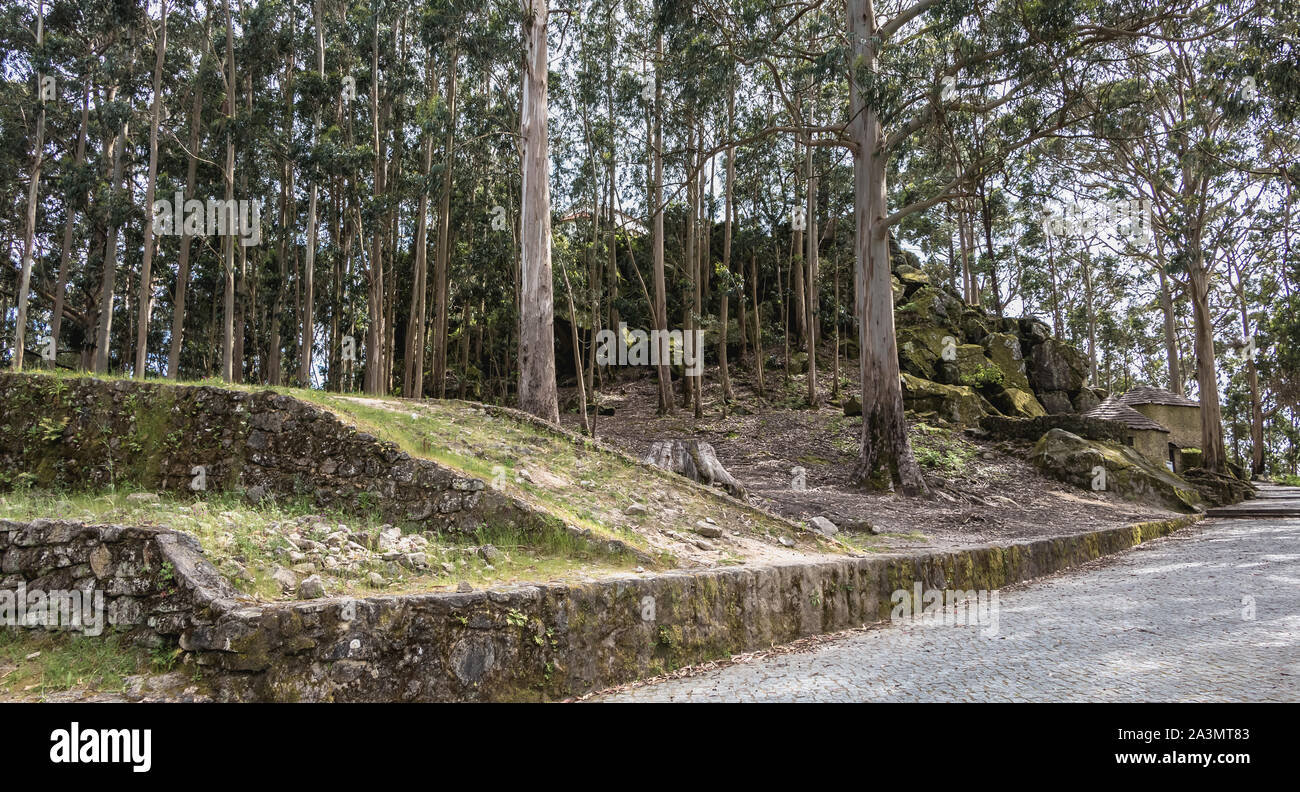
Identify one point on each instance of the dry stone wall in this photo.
(522, 643)
(89, 433)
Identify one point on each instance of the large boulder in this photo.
(1220, 489)
(970, 366)
(1056, 402)
(1018, 403)
(930, 306)
(911, 277)
(957, 404)
(1034, 331)
(1004, 350)
(1117, 468)
(974, 324)
(1084, 400)
(1056, 366)
(920, 349)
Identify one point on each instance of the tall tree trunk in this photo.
(375, 332)
(1212, 455)
(108, 279)
(183, 258)
(228, 242)
(1090, 306)
(288, 213)
(727, 212)
(1170, 328)
(1252, 378)
(60, 286)
(758, 326)
(145, 300)
(413, 382)
(33, 193)
(885, 441)
(656, 139)
(537, 393)
(307, 320)
(442, 255)
(812, 297)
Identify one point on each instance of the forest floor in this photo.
(981, 492)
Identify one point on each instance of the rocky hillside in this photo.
(960, 364)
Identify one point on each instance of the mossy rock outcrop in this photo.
(930, 306)
(1013, 363)
(958, 404)
(1018, 403)
(1116, 468)
(1056, 366)
(1219, 489)
(911, 276)
(1056, 402)
(1004, 350)
(920, 349)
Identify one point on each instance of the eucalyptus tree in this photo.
(900, 57)
(537, 393)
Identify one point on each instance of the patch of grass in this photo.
(940, 450)
(35, 663)
(580, 491)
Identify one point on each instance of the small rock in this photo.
(463, 587)
(375, 579)
(388, 536)
(417, 560)
(489, 554)
(707, 530)
(785, 540)
(143, 497)
(288, 581)
(450, 569)
(636, 508)
(311, 588)
(824, 526)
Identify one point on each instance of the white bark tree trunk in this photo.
(537, 393)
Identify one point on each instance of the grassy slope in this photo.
(584, 485)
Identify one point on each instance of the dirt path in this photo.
(982, 492)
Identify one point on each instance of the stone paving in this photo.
(1209, 614)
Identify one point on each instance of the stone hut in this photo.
(1179, 414)
(1149, 438)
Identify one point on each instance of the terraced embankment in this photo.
(443, 469)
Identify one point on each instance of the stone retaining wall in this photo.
(1030, 429)
(524, 643)
(155, 583)
(90, 433)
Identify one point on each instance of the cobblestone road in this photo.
(1167, 621)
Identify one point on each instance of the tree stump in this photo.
(696, 461)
